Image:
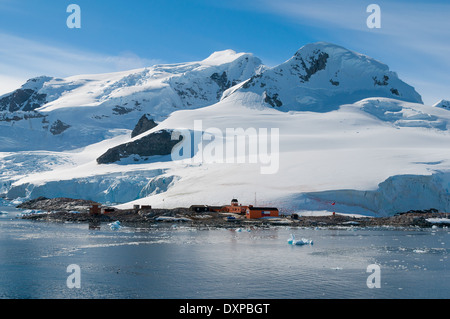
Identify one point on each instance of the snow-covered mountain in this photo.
(59, 114)
(350, 132)
(322, 76)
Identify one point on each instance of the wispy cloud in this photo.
(21, 59)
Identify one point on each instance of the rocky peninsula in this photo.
(77, 210)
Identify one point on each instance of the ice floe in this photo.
(115, 225)
(303, 241)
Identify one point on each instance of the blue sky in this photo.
(414, 38)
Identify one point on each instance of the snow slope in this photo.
(377, 153)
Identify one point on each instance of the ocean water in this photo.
(180, 262)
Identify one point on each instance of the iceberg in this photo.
(115, 225)
(303, 241)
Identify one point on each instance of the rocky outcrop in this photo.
(443, 104)
(272, 100)
(58, 127)
(222, 81)
(61, 204)
(18, 116)
(120, 110)
(27, 98)
(143, 125)
(316, 62)
(22, 99)
(158, 143)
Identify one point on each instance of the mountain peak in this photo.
(340, 55)
(322, 76)
(222, 57)
(321, 45)
(36, 83)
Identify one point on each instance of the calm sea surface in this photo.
(181, 262)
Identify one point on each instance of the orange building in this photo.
(215, 209)
(259, 212)
(235, 207)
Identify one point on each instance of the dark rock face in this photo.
(143, 125)
(120, 110)
(394, 91)
(58, 127)
(22, 99)
(158, 143)
(222, 82)
(302, 67)
(335, 83)
(18, 116)
(272, 100)
(252, 81)
(383, 82)
(316, 63)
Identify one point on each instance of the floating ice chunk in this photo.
(303, 241)
(3, 213)
(115, 225)
(239, 230)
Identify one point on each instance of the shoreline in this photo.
(76, 210)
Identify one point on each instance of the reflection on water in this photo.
(94, 224)
(178, 262)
